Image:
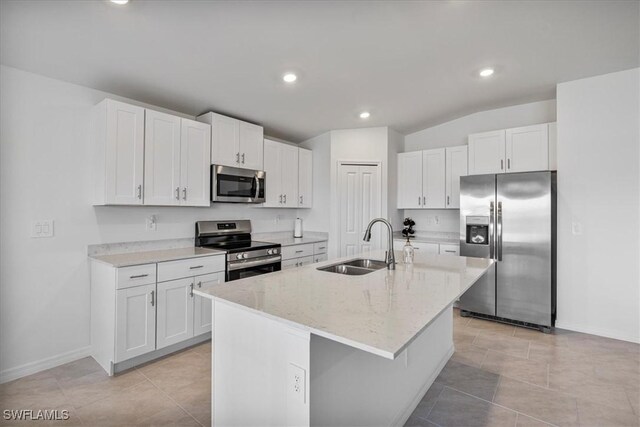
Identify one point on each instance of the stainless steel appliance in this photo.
(511, 218)
(245, 257)
(236, 185)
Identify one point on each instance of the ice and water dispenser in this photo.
(477, 230)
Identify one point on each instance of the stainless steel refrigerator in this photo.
(511, 218)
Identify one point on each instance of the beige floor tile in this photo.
(458, 409)
(530, 371)
(415, 421)
(491, 326)
(503, 343)
(195, 398)
(76, 369)
(557, 354)
(178, 371)
(98, 385)
(634, 400)
(546, 405)
(427, 402)
(38, 391)
(469, 354)
(72, 420)
(592, 414)
(525, 421)
(173, 416)
(463, 335)
(469, 379)
(204, 348)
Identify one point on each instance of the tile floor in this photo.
(499, 375)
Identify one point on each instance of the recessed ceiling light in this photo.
(289, 77)
(486, 72)
(120, 2)
(365, 115)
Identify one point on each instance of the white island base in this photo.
(266, 372)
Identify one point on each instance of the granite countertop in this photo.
(149, 257)
(380, 312)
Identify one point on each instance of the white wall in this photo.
(395, 146)
(599, 188)
(45, 173)
(317, 217)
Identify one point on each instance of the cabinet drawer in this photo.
(449, 249)
(320, 248)
(320, 258)
(429, 248)
(297, 251)
(190, 267)
(136, 275)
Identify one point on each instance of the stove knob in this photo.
(242, 255)
(269, 251)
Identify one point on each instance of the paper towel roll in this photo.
(297, 229)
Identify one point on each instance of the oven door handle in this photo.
(238, 265)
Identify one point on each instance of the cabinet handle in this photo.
(299, 252)
(243, 158)
(300, 199)
(139, 191)
(184, 193)
(238, 157)
(153, 300)
(509, 164)
(424, 201)
(200, 284)
(501, 164)
(448, 202)
(138, 276)
(177, 193)
(449, 251)
(285, 199)
(196, 266)
(321, 247)
(281, 199)
(419, 199)
(191, 290)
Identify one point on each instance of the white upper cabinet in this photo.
(162, 159)
(553, 146)
(456, 167)
(195, 164)
(119, 153)
(234, 143)
(487, 152)
(410, 180)
(305, 178)
(289, 176)
(527, 148)
(433, 178)
(281, 167)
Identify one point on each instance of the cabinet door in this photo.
(428, 248)
(289, 174)
(487, 153)
(124, 141)
(553, 146)
(135, 321)
(528, 148)
(289, 263)
(320, 258)
(161, 159)
(433, 178)
(305, 261)
(449, 249)
(305, 178)
(410, 180)
(195, 164)
(225, 148)
(456, 167)
(202, 306)
(273, 169)
(251, 146)
(175, 311)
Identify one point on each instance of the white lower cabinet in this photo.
(449, 249)
(429, 248)
(202, 306)
(298, 255)
(175, 312)
(320, 258)
(135, 321)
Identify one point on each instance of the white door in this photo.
(359, 195)
(175, 311)
(487, 153)
(433, 178)
(202, 315)
(410, 180)
(251, 146)
(125, 154)
(224, 141)
(273, 169)
(195, 166)
(456, 167)
(135, 321)
(289, 175)
(305, 178)
(161, 159)
(528, 148)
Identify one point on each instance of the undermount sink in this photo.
(355, 267)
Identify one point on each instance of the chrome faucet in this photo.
(390, 257)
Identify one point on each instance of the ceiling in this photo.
(411, 64)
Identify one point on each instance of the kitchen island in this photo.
(308, 347)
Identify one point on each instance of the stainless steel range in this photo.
(245, 257)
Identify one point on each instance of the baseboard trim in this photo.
(43, 364)
(404, 416)
(616, 335)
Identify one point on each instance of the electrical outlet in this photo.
(42, 228)
(297, 382)
(576, 228)
(152, 225)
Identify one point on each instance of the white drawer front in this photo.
(449, 249)
(320, 248)
(297, 251)
(430, 248)
(172, 270)
(320, 258)
(136, 275)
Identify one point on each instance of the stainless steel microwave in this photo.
(236, 185)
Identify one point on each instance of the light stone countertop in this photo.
(150, 257)
(444, 238)
(290, 240)
(380, 312)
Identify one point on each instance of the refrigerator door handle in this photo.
(499, 235)
(492, 254)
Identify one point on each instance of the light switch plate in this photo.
(42, 228)
(576, 228)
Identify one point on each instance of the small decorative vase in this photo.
(407, 253)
